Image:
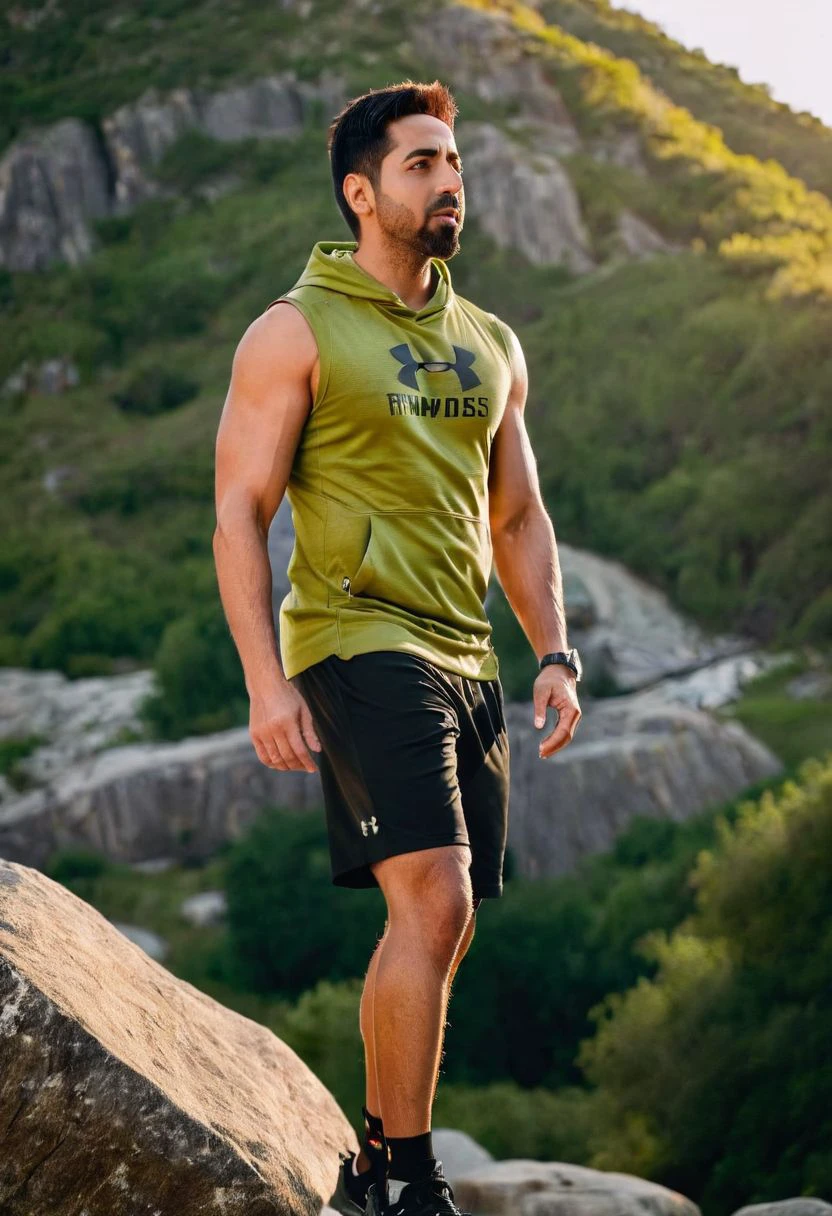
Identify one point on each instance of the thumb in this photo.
(541, 698)
(308, 728)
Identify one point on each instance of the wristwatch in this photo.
(568, 658)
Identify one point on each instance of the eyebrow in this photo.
(430, 152)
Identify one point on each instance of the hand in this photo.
(556, 685)
(280, 724)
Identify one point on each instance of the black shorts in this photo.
(412, 757)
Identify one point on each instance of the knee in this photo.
(438, 906)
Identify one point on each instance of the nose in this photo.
(452, 183)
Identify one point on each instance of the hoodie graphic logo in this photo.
(410, 366)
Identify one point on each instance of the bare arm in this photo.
(267, 405)
(526, 558)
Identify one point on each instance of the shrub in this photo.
(154, 390)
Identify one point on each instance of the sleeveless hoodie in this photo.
(389, 484)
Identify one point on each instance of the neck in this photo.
(409, 274)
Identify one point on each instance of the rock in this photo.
(206, 908)
(630, 757)
(459, 1153)
(523, 199)
(627, 631)
(153, 865)
(639, 240)
(623, 149)
(53, 376)
(124, 1090)
(459, 40)
(54, 181)
(551, 1188)
(145, 939)
(51, 184)
(810, 686)
(801, 1206)
(75, 718)
(182, 800)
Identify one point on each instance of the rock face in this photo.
(523, 198)
(54, 182)
(634, 755)
(629, 757)
(544, 1188)
(124, 1090)
(51, 185)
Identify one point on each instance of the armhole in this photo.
(319, 324)
(501, 332)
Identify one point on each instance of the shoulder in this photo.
(503, 333)
(278, 343)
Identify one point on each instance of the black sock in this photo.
(358, 1181)
(373, 1143)
(411, 1157)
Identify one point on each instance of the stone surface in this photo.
(523, 198)
(206, 908)
(150, 800)
(124, 1090)
(639, 239)
(52, 183)
(801, 1206)
(152, 944)
(552, 1188)
(459, 1153)
(629, 757)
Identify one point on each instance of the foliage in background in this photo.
(714, 1073)
(680, 419)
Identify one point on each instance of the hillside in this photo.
(679, 403)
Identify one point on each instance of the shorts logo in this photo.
(368, 825)
(410, 366)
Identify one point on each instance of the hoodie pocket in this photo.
(424, 563)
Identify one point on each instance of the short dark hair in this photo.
(358, 139)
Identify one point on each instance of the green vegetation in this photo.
(713, 1072)
(680, 415)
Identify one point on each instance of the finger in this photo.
(308, 728)
(560, 736)
(541, 703)
(300, 755)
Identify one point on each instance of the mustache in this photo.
(444, 203)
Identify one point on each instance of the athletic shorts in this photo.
(412, 757)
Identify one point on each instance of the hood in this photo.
(331, 266)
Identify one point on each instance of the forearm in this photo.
(527, 565)
(245, 581)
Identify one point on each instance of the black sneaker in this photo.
(431, 1196)
(348, 1198)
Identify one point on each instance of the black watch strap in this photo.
(564, 658)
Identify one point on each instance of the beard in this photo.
(431, 240)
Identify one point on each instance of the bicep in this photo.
(265, 410)
(513, 483)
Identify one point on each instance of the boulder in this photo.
(551, 1188)
(124, 1090)
(801, 1206)
(630, 757)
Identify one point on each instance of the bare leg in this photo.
(430, 910)
(366, 1021)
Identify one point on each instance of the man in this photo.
(391, 411)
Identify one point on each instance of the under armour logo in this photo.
(369, 825)
(410, 366)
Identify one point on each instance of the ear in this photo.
(359, 193)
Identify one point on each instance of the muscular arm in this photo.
(526, 556)
(267, 405)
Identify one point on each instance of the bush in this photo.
(200, 686)
(720, 1059)
(290, 926)
(154, 390)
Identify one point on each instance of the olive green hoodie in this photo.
(389, 486)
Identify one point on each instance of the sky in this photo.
(786, 46)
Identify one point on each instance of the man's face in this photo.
(421, 177)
